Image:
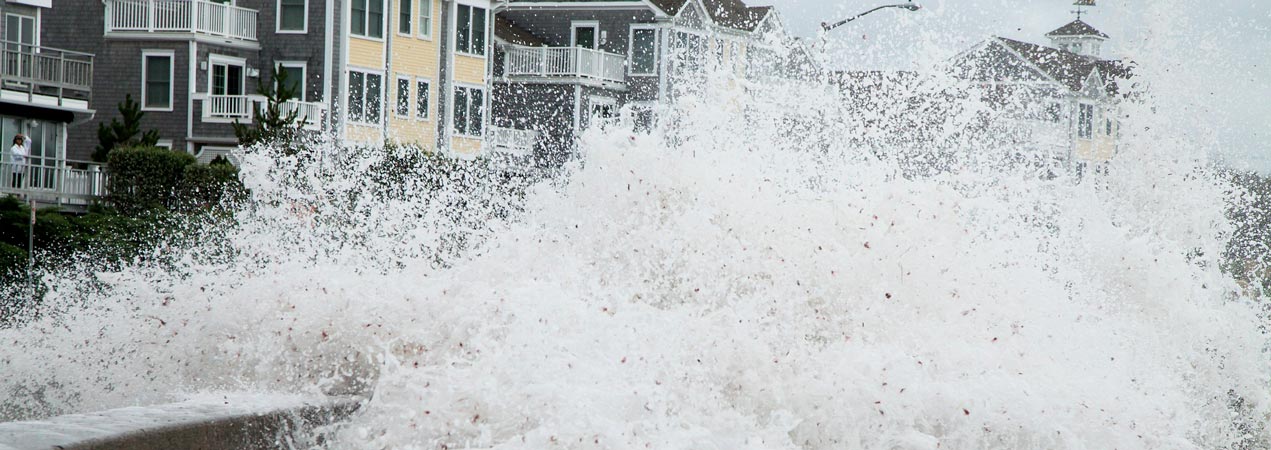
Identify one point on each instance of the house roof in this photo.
(1066, 67)
(1076, 28)
(728, 13)
(506, 30)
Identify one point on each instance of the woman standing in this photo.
(18, 154)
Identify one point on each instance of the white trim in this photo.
(172, 60)
(304, 76)
(164, 143)
(631, 49)
(213, 59)
(410, 108)
(454, 43)
(432, 14)
(427, 111)
(304, 28)
(384, 22)
(585, 6)
(349, 94)
(398, 19)
(485, 95)
(574, 25)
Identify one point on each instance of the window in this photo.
(470, 30)
(227, 76)
(403, 97)
(1108, 127)
(403, 17)
(295, 77)
(367, 19)
(293, 15)
(1085, 121)
(425, 19)
(585, 35)
(421, 99)
(469, 112)
(644, 56)
(156, 81)
(365, 96)
(21, 33)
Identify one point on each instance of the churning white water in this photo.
(782, 271)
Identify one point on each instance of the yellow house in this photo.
(415, 73)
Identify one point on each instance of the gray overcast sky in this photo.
(1232, 44)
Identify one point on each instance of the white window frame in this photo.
(454, 44)
(35, 24)
(213, 59)
(425, 114)
(172, 62)
(304, 29)
(365, 82)
(411, 27)
(384, 21)
(574, 25)
(304, 76)
(419, 18)
(164, 143)
(485, 97)
(631, 50)
(396, 96)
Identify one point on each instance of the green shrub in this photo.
(145, 178)
(208, 185)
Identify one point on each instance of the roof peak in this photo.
(1077, 28)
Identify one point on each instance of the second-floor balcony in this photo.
(196, 17)
(239, 108)
(45, 76)
(564, 63)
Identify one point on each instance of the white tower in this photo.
(1078, 37)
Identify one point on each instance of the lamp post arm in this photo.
(830, 26)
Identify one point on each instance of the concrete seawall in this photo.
(211, 422)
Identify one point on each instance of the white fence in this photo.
(49, 180)
(184, 16)
(309, 114)
(564, 62)
(229, 107)
(513, 141)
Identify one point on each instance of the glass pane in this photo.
(478, 112)
(421, 100)
(585, 37)
(296, 80)
(643, 58)
(403, 97)
(461, 111)
(158, 74)
(358, 19)
(425, 17)
(356, 95)
(293, 15)
(478, 31)
(463, 30)
(375, 18)
(404, 16)
(234, 84)
(374, 97)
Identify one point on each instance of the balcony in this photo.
(569, 64)
(194, 17)
(238, 108)
(45, 76)
(54, 181)
(308, 114)
(511, 141)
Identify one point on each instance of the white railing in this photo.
(46, 71)
(564, 62)
(181, 16)
(228, 107)
(309, 114)
(52, 180)
(512, 141)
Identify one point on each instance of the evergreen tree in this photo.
(123, 134)
(271, 124)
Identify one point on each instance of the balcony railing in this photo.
(47, 75)
(564, 62)
(181, 16)
(520, 142)
(229, 107)
(309, 114)
(50, 180)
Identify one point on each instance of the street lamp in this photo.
(826, 26)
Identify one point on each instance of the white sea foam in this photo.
(757, 276)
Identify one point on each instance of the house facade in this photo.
(561, 67)
(1063, 99)
(367, 71)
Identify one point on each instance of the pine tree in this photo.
(123, 134)
(271, 124)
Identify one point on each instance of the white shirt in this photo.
(19, 154)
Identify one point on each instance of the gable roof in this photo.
(726, 13)
(1065, 67)
(1076, 28)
